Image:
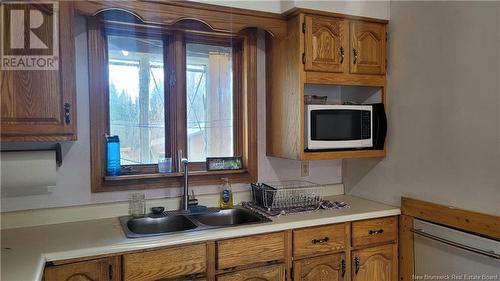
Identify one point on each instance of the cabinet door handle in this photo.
(342, 267)
(67, 115)
(342, 55)
(356, 265)
(355, 53)
(374, 232)
(110, 272)
(320, 241)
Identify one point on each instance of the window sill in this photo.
(171, 175)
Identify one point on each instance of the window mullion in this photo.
(179, 119)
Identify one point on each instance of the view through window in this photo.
(136, 98)
(209, 87)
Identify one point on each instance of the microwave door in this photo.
(339, 129)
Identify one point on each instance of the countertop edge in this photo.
(215, 234)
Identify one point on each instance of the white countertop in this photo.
(25, 250)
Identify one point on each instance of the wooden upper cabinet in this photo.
(375, 264)
(40, 105)
(325, 44)
(367, 54)
(330, 267)
(105, 269)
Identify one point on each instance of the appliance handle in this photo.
(490, 254)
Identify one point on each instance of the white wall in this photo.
(374, 9)
(73, 180)
(444, 109)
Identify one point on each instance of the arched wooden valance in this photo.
(218, 18)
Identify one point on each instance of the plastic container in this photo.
(113, 156)
(136, 204)
(165, 165)
(226, 195)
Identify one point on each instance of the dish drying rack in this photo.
(282, 195)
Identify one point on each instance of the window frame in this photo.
(175, 39)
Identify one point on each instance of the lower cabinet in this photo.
(264, 273)
(105, 269)
(375, 264)
(179, 263)
(323, 268)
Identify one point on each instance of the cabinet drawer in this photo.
(316, 240)
(250, 249)
(374, 231)
(267, 273)
(165, 263)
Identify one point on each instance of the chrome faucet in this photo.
(185, 196)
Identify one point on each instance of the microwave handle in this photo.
(379, 125)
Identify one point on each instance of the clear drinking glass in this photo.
(165, 165)
(136, 204)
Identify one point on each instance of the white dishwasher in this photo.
(443, 253)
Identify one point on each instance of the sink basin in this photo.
(160, 225)
(228, 217)
(183, 222)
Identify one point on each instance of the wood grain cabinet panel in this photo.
(171, 263)
(323, 268)
(367, 47)
(374, 231)
(40, 105)
(375, 264)
(106, 269)
(317, 240)
(325, 44)
(250, 250)
(265, 273)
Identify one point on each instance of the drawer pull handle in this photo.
(342, 267)
(320, 241)
(374, 232)
(356, 265)
(67, 115)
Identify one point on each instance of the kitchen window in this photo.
(165, 91)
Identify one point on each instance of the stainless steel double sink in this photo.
(178, 222)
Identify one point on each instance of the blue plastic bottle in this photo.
(113, 160)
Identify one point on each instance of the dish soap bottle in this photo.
(226, 195)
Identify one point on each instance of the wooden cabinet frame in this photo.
(245, 110)
(288, 72)
(18, 86)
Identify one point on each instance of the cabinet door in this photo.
(324, 268)
(39, 105)
(106, 269)
(375, 264)
(367, 48)
(325, 44)
(265, 273)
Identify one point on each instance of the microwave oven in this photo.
(344, 127)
